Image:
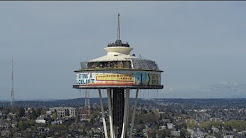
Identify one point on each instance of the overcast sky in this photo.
(197, 44)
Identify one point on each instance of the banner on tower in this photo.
(124, 78)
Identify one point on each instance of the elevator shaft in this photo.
(118, 110)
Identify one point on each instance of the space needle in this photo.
(118, 72)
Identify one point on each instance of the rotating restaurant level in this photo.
(118, 69)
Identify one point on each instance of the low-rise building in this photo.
(162, 127)
(215, 120)
(5, 133)
(40, 121)
(64, 111)
(170, 125)
(215, 130)
(4, 125)
(228, 136)
(57, 122)
(175, 133)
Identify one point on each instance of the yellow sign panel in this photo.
(115, 77)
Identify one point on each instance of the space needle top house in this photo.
(118, 72)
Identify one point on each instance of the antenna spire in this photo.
(12, 87)
(118, 30)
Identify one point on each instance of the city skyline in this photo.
(199, 45)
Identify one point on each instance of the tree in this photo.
(184, 133)
(34, 114)
(20, 125)
(144, 112)
(165, 133)
(15, 135)
(21, 112)
(32, 122)
(38, 110)
(26, 124)
(76, 121)
(235, 124)
(54, 115)
(5, 111)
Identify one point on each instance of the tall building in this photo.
(118, 72)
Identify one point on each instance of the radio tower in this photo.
(87, 102)
(12, 88)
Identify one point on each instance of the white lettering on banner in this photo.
(86, 81)
(85, 78)
(116, 78)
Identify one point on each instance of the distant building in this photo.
(5, 133)
(162, 127)
(4, 125)
(166, 120)
(43, 130)
(215, 120)
(57, 122)
(175, 133)
(228, 136)
(191, 121)
(14, 124)
(49, 112)
(170, 125)
(40, 121)
(64, 111)
(215, 130)
(210, 137)
(85, 115)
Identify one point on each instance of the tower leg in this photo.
(133, 115)
(103, 116)
(125, 113)
(118, 110)
(110, 113)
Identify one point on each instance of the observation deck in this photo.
(118, 69)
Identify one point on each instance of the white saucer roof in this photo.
(115, 54)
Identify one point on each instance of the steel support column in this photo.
(134, 112)
(110, 114)
(103, 115)
(123, 134)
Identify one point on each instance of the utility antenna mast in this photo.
(12, 87)
(118, 29)
(87, 102)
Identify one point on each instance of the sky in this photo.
(199, 45)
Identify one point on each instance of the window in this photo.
(109, 64)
